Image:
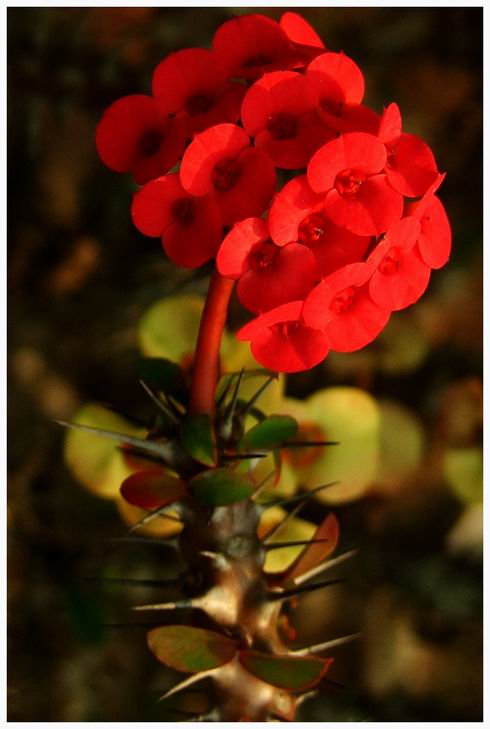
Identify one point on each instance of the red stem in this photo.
(206, 360)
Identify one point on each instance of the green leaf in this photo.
(164, 376)
(294, 673)
(198, 438)
(189, 649)
(271, 433)
(152, 489)
(221, 486)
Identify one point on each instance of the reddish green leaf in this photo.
(198, 438)
(315, 553)
(189, 649)
(221, 486)
(152, 489)
(270, 433)
(294, 673)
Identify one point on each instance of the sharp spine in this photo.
(184, 684)
(324, 566)
(327, 645)
(287, 594)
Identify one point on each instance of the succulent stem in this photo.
(206, 361)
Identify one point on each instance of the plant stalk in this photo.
(206, 362)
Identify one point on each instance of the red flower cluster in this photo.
(323, 258)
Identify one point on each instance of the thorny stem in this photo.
(206, 361)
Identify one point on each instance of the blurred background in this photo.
(79, 279)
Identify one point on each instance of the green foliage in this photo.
(198, 438)
(294, 673)
(221, 487)
(190, 649)
(270, 433)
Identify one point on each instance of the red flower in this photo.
(221, 163)
(342, 307)
(136, 135)
(279, 111)
(299, 31)
(297, 214)
(190, 227)
(358, 197)
(249, 45)
(281, 341)
(303, 38)
(400, 277)
(410, 164)
(192, 84)
(268, 275)
(434, 240)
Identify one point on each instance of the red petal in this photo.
(174, 137)
(356, 150)
(192, 244)
(360, 326)
(278, 92)
(411, 168)
(152, 489)
(290, 277)
(231, 260)
(316, 309)
(290, 206)
(351, 118)
(247, 45)
(404, 286)
(295, 153)
(434, 240)
(300, 350)
(151, 208)
(338, 247)
(299, 30)
(390, 126)
(284, 313)
(120, 136)
(185, 73)
(225, 109)
(224, 141)
(375, 208)
(253, 190)
(343, 71)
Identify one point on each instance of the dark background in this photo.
(79, 277)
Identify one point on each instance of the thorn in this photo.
(154, 514)
(320, 647)
(242, 456)
(282, 523)
(145, 456)
(231, 376)
(286, 594)
(309, 443)
(184, 684)
(324, 566)
(219, 559)
(156, 400)
(300, 497)
(248, 405)
(135, 582)
(263, 483)
(147, 446)
(234, 399)
(295, 543)
(179, 605)
(304, 697)
(162, 542)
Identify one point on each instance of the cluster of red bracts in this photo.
(323, 261)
